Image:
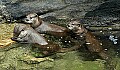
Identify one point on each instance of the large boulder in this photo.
(106, 14)
(18, 8)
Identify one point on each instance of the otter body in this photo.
(52, 29)
(91, 41)
(43, 27)
(25, 34)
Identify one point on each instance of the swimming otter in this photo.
(43, 27)
(91, 41)
(24, 33)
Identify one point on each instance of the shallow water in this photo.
(15, 56)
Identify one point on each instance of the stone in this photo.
(18, 8)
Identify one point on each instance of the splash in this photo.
(113, 39)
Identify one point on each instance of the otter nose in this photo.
(26, 19)
(14, 38)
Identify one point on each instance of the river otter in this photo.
(91, 41)
(24, 33)
(43, 27)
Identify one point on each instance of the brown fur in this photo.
(44, 27)
(25, 34)
(93, 44)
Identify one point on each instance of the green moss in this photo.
(72, 61)
(6, 31)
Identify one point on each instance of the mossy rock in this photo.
(6, 32)
(72, 61)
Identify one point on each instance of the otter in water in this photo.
(24, 33)
(91, 41)
(43, 27)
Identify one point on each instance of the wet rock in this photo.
(32, 60)
(76, 10)
(2, 56)
(5, 43)
(109, 8)
(72, 61)
(2, 20)
(105, 14)
(118, 64)
(6, 66)
(18, 8)
(5, 34)
(20, 57)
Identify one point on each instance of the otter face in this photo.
(31, 18)
(73, 25)
(25, 34)
(76, 27)
(17, 30)
(20, 33)
(22, 37)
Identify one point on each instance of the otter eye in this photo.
(30, 17)
(79, 25)
(35, 16)
(72, 24)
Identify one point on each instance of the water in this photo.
(22, 56)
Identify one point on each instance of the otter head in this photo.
(33, 19)
(25, 34)
(17, 30)
(76, 27)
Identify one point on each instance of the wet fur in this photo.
(23, 33)
(93, 44)
(43, 27)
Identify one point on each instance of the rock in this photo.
(2, 56)
(118, 64)
(5, 43)
(2, 19)
(6, 66)
(17, 8)
(105, 14)
(76, 11)
(72, 61)
(107, 9)
(32, 60)
(5, 34)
